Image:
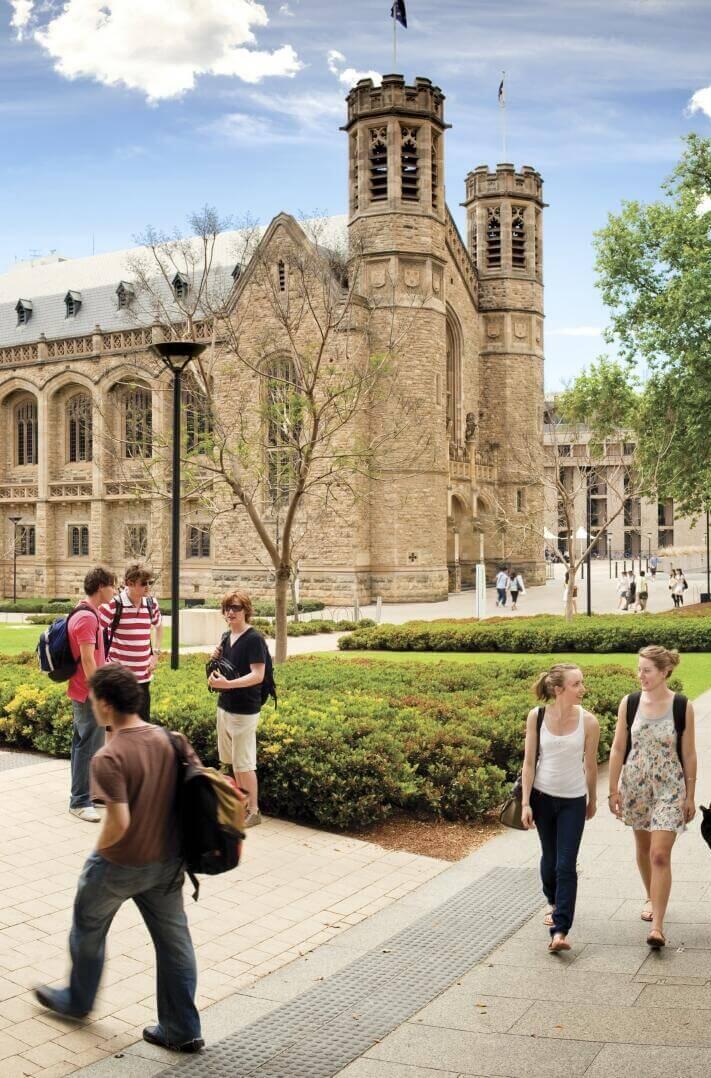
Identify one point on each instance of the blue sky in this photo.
(119, 113)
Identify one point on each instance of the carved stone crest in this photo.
(377, 275)
(436, 280)
(520, 328)
(493, 329)
(411, 276)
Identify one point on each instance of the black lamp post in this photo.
(14, 521)
(176, 355)
(609, 552)
(649, 548)
(708, 559)
(588, 528)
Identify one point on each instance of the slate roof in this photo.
(45, 282)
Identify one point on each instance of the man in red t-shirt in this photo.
(131, 641)
(86, 640)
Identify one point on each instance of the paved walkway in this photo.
(607, 1009)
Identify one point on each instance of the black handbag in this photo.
(221, 666)
(510, 814)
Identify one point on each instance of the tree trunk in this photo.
(281, 598)
(294, 586)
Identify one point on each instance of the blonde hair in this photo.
(546, 684)
(238, 598)
(665, 659)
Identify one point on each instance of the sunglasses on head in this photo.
(234, 608)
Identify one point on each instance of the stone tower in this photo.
(397, 234)
(505, 238)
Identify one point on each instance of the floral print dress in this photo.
(652, 785)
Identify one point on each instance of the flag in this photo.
(502, 95)
(397, 11)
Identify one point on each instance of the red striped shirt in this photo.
(131, 643)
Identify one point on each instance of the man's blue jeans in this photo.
(559, 822)
(501, 596)
(87, 739)
(157, 890)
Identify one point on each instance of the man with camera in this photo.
(239, 668)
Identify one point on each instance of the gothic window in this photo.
(493, 237)
(26, 432)
(124, 295)
(283, 408)
(473, 238)
(72, 302)
(409, 167)
(538, 245)
(518, 237)
(137, 423)
(26, 540)
(78, 541)
(24, 311)
(378, 164)
(354, 173)
(198, 420)
(180, 285)
(135, 541)
(79, 428)
(281, 275)
(197, 543)
(435, 172)
(453, 388)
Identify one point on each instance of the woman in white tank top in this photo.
(559, 780)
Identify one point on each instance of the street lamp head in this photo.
(176, 355)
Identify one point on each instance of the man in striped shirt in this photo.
(135, 629)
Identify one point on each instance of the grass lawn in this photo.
(17, 638)
(694, 669)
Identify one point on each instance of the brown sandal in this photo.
(558, 943)
(656, 939)
(646, 914)
(548, 919)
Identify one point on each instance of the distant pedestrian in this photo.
(86, 641)
(570, 591)
(133, 622)
(240, 699)
(559, 788)
(652, 776)
(622, 591)
(653, 563)
(678, 586)
(137, 856)
(642, 591)
(502, 585)
(631, 590)
(516, 587)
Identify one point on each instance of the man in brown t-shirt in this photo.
(135, 776)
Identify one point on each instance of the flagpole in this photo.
(394, 43)
(503, 116)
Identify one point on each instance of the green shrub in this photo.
(351, 742)
(38, 606)
(548, 633)
(41, 619)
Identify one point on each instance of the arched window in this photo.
(26, 432)
(378, 160)
(198, 418)
(283, 407)
(454, 388)
(79, 428)
(518, 237)
(409, 164)
(435, 171)
(493, 236)
(137, 418)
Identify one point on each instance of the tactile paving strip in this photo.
(319, 1032)
(8, 760)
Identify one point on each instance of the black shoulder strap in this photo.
(539, 723)
(632, 708)
(85, 606)
(679, 706)
(181, 761)
(224, 639)
(111, 633)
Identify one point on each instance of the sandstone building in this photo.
(70, 338)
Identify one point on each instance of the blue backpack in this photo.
(54, 652)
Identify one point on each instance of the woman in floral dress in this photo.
(653, 777)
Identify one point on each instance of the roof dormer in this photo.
(24, 311)
(72, 302)
(125, 294)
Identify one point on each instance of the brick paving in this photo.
(296, 889)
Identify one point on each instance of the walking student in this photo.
(559, 780)
(502, 584)
(136, 857)
(653, 566)
(132, 620)
(642, 592)
(516, 587)
(622, 591)
(86, 640)
(240, 698)
(653, 776)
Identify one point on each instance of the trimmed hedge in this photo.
(547, 633)
(351, 741)
(311, 628)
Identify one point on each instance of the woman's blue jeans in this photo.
(559, 822)
(157, 890)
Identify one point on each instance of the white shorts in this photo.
(237, 740)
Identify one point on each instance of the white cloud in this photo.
(160, 47)
(349, 76)
(575, 331)
(243, 129)
(21, 16)
(286, 10)
(701, 101)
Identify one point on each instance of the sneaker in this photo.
(253, 819)
(153, 1035)
(87, 813)
(55, 999)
